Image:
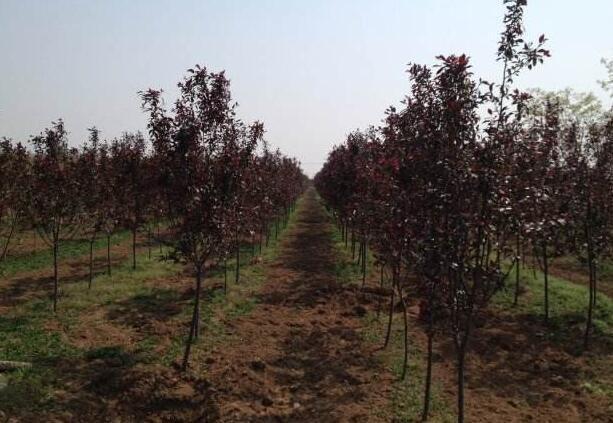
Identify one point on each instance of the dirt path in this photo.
(300, 357)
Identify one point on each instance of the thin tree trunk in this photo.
(346, 236)
(430, 334)
(546, 280)
(159, 237)
(237, 272)
(590, 310)
(592, 287)
(428, 385)
(517, 270)
(391, 311)
(134, 248)
(379, 296)
(91, 263)
(225, 277)
(149, 242)
(193, 332)
(55, 275)
(460, 356)
(108, 254)
(405, 363)
(364, 252)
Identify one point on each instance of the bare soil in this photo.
(299, 355)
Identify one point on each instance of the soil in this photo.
(299, 355)
(28, 285)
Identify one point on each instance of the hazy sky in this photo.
(312, 70)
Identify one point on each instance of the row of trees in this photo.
(208, 178)
(466, 180)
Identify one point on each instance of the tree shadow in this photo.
(143, 310)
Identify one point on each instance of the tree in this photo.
(55, 209)
(15, 168)
(88, 175)
(131, 183)
(196, 139)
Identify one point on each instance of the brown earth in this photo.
(299, 355)
(25, 286)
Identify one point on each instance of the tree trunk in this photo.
(149, 239)
(546, 281)
(91, 263)
(193, 331)
(391, 311)
(592, 287)
(517, 270)
(159, 237)
(55, 274)
(405, 362)
(238, 258)
(379, 296)
(134, 248)
(364, 252)
(225, 277)
(460, 357)
(108, 254)
(430, 334)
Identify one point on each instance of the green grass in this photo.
(31, 332)
(567, 306)
(44, 258)
(346, 268)
(240, 299)
(25, 335)
(407, 395)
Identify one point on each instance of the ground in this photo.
(296, 340)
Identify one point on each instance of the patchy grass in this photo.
(44, 257)
(31, 332)
(567, 306)
(346, 268)
(221, 308)
(407, 396)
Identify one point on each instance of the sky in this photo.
(311, 70)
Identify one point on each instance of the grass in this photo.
(346, 268)
(26, 334)
(407, 396)
(44, 258)
(32, 333)
(567, 306)
(220, 309)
